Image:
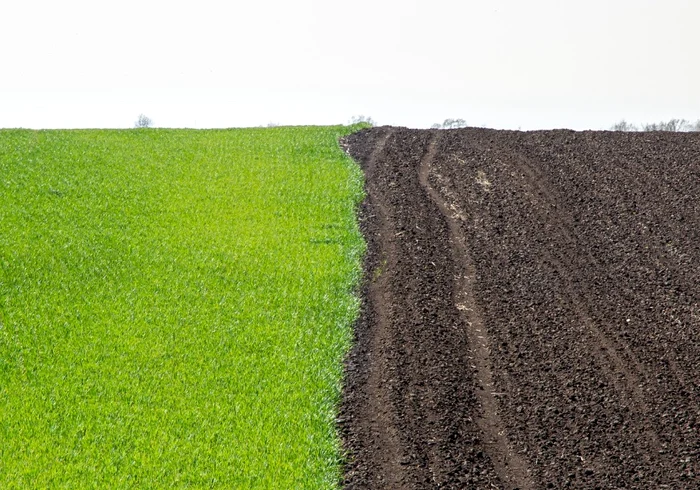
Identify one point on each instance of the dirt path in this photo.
(531, 313)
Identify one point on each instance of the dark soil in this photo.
(531, 312)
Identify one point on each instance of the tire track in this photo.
(380, 420)
(620, 366)
(606, 349)
(640, 175)
(376, 435)
(511, 468)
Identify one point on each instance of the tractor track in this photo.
(509, 465)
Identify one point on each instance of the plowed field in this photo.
(532, 311)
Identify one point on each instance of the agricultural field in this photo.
(175, 306)
(532, 311)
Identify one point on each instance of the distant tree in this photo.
(672, 125)
(624, 126)
(450, 124)
(143, 122)
(272, 125)
(679, 125)
(362, 119)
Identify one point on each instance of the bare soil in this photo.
(531, 312)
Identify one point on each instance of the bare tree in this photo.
(143, 122)
(624, 126)
(672, 125)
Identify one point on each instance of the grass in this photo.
(174, 306)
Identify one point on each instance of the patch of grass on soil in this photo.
(174, 306)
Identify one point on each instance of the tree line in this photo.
(674, 125)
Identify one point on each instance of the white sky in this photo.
(501, 63)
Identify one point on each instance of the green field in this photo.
(175, 306)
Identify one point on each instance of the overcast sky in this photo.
(498, 63)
